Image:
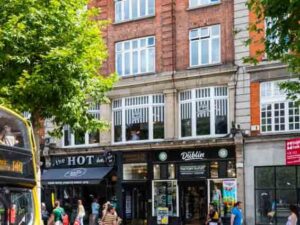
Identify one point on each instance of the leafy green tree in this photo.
(282, 36)
(51, 52)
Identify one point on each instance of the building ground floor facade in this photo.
(171, 184)
(270, 185)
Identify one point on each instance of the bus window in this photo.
(21, 210)
(13, 131)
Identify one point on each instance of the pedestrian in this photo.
(80, 212)
(45, 213)
(213, 215)
(109, 216)
(95, 211)
(236, 214)
(293, 217)
(57, 214)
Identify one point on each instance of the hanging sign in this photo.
(292, 151)
(229, 193)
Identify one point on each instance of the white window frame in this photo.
(122, 107)
(202, 3)
(193, 100)
(208, 37)
(177, 195)
(130, 16)
(270, 94)
(148, 48)
(95, 111)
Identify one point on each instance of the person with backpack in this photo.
(58, 213)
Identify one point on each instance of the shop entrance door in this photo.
(135, 204)
(193, 202)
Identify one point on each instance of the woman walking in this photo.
(80, 212)
(109, 216)
(293, 217)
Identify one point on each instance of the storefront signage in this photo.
(162, 215)
(195, 154)
(292, 150)
(136, 157)
(75, 173)
(193, 171)
(106, 159)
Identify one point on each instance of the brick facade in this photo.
(170, 26)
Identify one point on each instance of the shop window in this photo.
(204, 112)
(223, 194)
(135, 171)
(197, 3)
(82, 138)
(276, 188)
(277, 113)
(165, 194)
(138, 118)
(164, 171)
(231, 171)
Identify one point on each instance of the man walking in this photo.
(236, 214)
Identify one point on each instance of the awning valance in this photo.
(75, 175)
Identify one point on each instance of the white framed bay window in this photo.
(79, 139)
(205, 46)
(139, 118)
(203, 112)
(126, 10)
(278, 114)
(136, 56)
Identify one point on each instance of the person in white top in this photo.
(80, 212)
(293, 217)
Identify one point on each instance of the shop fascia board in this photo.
(262, 138)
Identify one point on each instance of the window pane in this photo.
(119, 64)
(215, 49)
(193, 3)
(265, 206)
(137, 124)
(284, 198)
(67, 137)
(221, 116)
(203, 117)
(151, 58)
(134, 8)
(186, 119)
(171, 171)
(127, 63)
(204, 51)
(142, 7)
(135, 171)
(126, 9)
(214, 169)
(117, 126)
(156, 171)
(286, 177)
(118, 11)
(94, 137)
(151, 7)
(264, 177)
(143, 61)
(79, 138)
(194, 53)
(231, 171)
(135, 62)
(215, 30)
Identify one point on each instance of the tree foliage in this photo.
(281, 39)
(51, 52)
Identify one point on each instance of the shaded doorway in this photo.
(193, 202)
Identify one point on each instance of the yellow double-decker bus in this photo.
(19, 202)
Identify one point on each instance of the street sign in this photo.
(292, 151)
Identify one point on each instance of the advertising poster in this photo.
(162, 215)
(229, 194)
